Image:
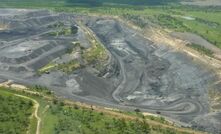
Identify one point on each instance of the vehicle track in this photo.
(36, 106)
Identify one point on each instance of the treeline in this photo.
(129, 2)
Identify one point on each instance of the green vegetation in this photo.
(205, 21)
(201, 49)
(158, 119)
(202, 21)
(167, 21)
(69, 67)
(65, 67)
(78, 120)
(128, 2)
(41, 89)
(47, 67)
(56, 25)
(15, 113)
(90, 3)
(94, 53)
(62, 30)
(60, 117)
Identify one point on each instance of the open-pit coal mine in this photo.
(59, 51)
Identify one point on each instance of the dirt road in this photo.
(36, 107)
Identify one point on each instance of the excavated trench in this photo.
(140, 74)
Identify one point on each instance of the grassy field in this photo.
(60, 117)
(15, 113)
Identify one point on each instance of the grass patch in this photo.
(170, 22)
(95, 53)
(60, 29)
(63, 31)
(41, 89)
(47, 67)
(64, 67)
(69, 67)
(33, 126)
(15, 114)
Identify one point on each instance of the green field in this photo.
(15, 114)
(77, 120)
(59, 117)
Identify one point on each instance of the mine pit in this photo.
(119, 68)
